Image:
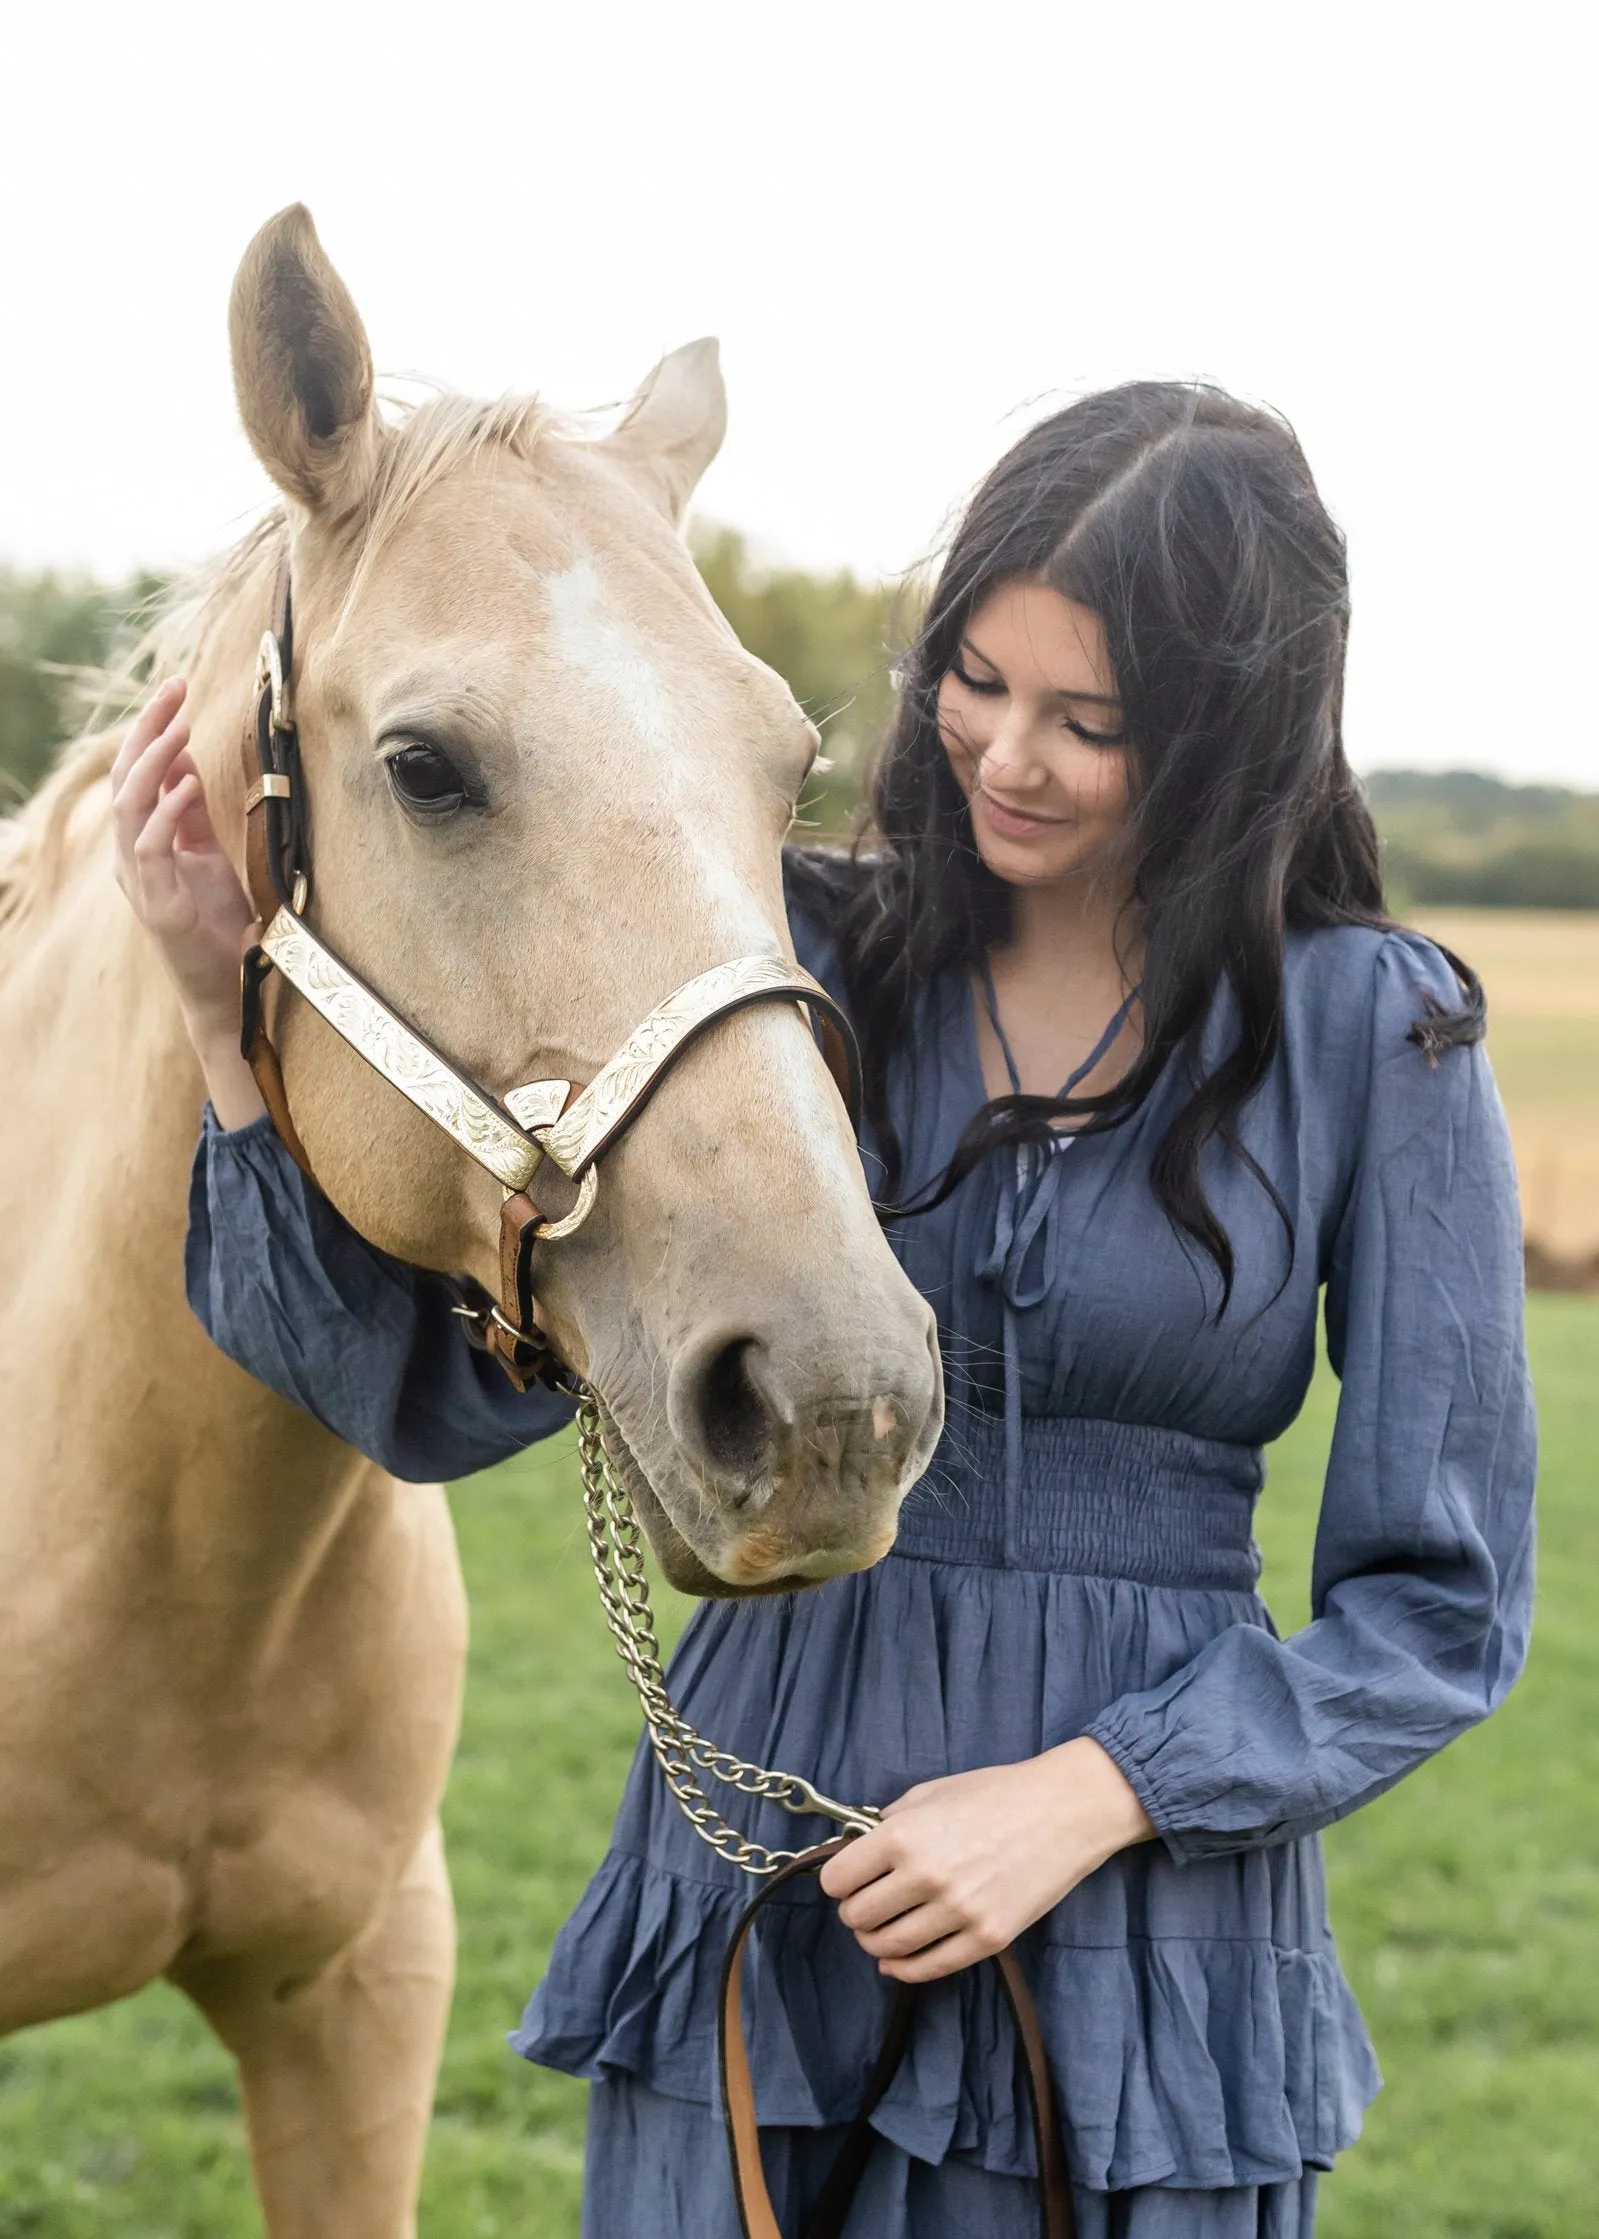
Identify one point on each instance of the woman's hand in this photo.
(185, 892)
(959, 1867)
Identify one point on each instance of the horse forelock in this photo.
(432, 438)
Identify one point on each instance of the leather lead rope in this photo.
(757, 2217)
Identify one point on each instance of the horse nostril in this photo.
(733, 1417)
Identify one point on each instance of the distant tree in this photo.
(1468, 800)
(56, 631)
(831, 637)
(1460, 838)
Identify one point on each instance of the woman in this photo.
(1120, 849)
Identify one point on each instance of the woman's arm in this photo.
(1421, 1591)
(368, 1345)
(364, 1343)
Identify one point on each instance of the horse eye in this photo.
(424, 777)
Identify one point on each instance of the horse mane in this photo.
(428, 440)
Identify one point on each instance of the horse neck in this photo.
(139, 1418)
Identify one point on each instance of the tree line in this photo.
(1450, 838)
(1455, 838)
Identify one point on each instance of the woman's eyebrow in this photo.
(1101, 699)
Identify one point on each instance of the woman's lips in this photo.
(1015, 824)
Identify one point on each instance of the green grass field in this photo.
(1467, 1904)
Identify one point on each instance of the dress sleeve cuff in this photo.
(212, 1131)
(1139, 1777)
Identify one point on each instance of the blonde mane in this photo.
(428, 440)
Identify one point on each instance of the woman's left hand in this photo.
(959, 1867)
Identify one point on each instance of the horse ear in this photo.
(674, 426)
(302, 367)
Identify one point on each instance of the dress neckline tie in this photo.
(1020, 1254)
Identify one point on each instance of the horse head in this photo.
(547, 786)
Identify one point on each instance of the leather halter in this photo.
(510, 1135)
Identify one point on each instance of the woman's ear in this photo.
(302, 368)
(674, 427)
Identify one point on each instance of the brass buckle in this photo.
(483, 1318)
(520, 1336)
(269, 676)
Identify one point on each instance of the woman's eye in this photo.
(424, 777)
(1094, 738)
(988, 686)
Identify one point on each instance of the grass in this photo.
(1467, 1904)
(1467, 1901)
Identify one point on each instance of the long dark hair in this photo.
(1189, 523)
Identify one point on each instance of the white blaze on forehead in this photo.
(604, 652)
(588, 639)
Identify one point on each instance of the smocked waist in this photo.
(1090, 1498)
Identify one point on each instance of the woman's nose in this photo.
(1007, 760)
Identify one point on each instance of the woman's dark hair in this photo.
(1188, 522)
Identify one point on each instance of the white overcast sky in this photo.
(912, 224)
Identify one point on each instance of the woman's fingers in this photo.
(137, 797)
(945, 1958)
(136, 794)
(151, 720)
(860, 1861)
(196, 833)
(162, 898)
(180, 881)
(911, 1932)
(885, 1899)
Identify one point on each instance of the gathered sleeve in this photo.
(362, 1342)
(1422, 1581)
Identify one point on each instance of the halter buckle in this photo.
(269, 678)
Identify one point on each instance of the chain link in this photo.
(617, 1548)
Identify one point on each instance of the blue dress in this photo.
(1078, 1560)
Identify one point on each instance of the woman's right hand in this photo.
(185, 891)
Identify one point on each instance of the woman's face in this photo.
(1033, 727)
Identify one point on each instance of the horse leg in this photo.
(338, 2076)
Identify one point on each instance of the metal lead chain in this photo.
(616, 1545)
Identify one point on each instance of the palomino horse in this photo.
(232, 1652)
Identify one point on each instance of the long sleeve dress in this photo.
(1078, 1560)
